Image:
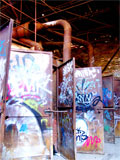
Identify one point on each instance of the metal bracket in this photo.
(48, 111)
(114, 109)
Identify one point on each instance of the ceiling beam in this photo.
(66, 9)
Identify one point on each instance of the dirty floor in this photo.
(111, 152)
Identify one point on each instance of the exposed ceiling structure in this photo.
(93, 21)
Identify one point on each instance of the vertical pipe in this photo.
(67, 36)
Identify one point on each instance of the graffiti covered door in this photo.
(89, 114)
(28, 128)
(66, 103)
(107, 87)
(5, 44)
(117, 106)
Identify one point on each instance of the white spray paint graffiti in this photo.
(28, 76)
(68, 68)
(82, 132)
(90, 116)
(87, 72)
(116, 100)
(66, 86)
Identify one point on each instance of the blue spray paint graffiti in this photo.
(107, 115)
(23, 128)
(2, 47)
(81, 136)
(86, 101)
(107, 96)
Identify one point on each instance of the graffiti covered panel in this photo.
(5, 42)
(116, 93)
(107, 83)
(109, 135)
(66, 134)
(89, 119)
(107, 88)
(117, 122)
(117, 106)
(65, 102)
(30, 79)
(65, 83)
(28, 128)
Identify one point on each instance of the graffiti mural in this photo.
(88, 99)
(28, 129)
(65, 102)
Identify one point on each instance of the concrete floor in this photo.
(111, 152)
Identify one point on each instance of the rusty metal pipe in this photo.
(89, 47)
(67, 36)
(83, 42)
(20, 32)
(25, 29)
(38, 46)
(52, 43)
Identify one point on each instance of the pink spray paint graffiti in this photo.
(92, 141)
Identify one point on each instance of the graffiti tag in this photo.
(92, 141)
(80, 135)
(87, 72)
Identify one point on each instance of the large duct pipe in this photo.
(87, 44)
(25, 30)
(89, 47)
(67, 36)
(83, 42)
(37, 46)
(20, 32)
